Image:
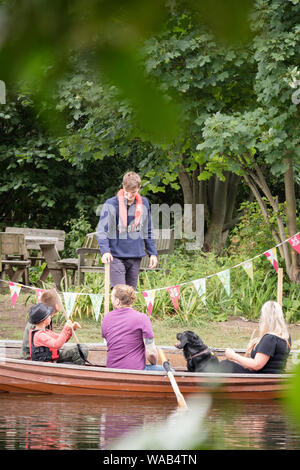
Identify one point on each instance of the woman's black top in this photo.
(271, 345)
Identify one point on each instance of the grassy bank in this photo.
(233, 332)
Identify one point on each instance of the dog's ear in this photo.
(194, 338)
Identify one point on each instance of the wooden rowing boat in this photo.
(17, 375)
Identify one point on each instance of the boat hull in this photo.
(35, 377)
(17, 375)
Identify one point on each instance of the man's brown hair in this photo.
(126, 294)
(132, 181)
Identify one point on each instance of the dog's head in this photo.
(196, 353)
(188, 338)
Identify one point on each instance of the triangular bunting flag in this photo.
(224, 276)
(149, 298)
(200, 286)
(248, 267)
(70, 299)
(174, 294)
(96, 302)
(272, 257)
(39, 293)
(295, 242)
(14, 292)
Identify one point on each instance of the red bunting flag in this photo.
(174, 294)
(39, 293)
(14, 292)
(272, 257)
(295, 242)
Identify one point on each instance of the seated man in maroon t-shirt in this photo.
(128, 333)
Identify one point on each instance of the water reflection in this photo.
(252, 425)
(54, 422)
(60, 422)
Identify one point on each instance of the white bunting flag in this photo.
(200, 286)
(224, 276)
(96, 302)
(70, 299)
(14, 292)
(248, 267)
(149, 296)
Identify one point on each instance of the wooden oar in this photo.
(106, 286)
(166, 365)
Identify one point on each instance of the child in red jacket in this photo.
(45, 344)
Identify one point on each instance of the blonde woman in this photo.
(128, 333)
(266, 353)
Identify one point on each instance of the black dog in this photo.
(199, 357)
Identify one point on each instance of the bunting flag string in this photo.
(39, 293)
(295, 242)
(200, 286)
(224, 277)
(96, 302)
(149, 296)
(174, 294)
(248, 267)
(14, 292)
(272, 257)
(70, 299)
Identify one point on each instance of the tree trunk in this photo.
(291, 217)
(229, 222)
(218, 198)
(213, 236)
(257, 182)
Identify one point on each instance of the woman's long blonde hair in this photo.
(271, 322)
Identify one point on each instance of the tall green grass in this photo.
(181, 267)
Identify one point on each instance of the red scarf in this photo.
(123, 210)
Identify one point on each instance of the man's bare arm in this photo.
(151, 351)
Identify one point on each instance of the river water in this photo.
(48, 422)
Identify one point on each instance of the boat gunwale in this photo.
(147, 373)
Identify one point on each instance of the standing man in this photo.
(125, 231)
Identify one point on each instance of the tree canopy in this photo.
(200, 98)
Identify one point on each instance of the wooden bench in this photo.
(164, 242)
(14, 257)
(34, 236)
(89, 257)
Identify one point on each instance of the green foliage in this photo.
(245, 300)
(78, 229)
(251, 235)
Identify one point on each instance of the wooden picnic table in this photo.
(33, 241)
(49, 254)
